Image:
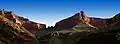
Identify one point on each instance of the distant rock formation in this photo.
(26, 23)
(80, 18)
(72, 21)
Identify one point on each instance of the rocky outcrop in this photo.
(26, 23)
(72, 21)
(80, 18)
(12, 33)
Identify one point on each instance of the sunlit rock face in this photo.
(29, 25)
(72, 21)
(79, 18)
(12, 33)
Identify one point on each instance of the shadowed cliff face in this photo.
(116, 18)
(26, 23)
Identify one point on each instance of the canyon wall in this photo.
(80, 18)
(26, 23)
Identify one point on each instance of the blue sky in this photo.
(52, 11)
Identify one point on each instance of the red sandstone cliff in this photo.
(80, 18)
(29, 25)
